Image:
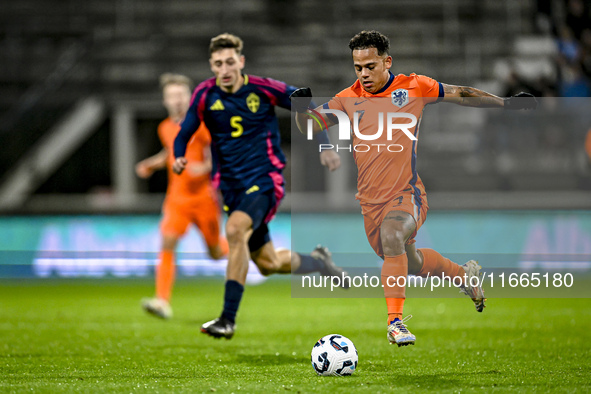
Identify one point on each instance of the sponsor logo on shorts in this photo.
(253, 189)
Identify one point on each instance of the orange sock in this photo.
(393, 305)
(394, 267)
(165, 272)
(435, 264)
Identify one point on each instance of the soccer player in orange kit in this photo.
(190, 197)
(391, 194)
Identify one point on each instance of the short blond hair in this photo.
(178, 79)
(225, 40)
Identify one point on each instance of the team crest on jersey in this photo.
(400, 97)
(253, 102)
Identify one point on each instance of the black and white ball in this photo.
(334, 355)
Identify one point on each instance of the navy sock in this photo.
(232, 298)
(309, 264)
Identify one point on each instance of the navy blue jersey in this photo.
(244, 131)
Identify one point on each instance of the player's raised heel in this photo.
(218, 328)
(157, 307)
(398, 333)
(330, 268)
(474, 277)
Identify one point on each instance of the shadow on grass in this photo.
(441, 380)
(270, 359)
(197, 323)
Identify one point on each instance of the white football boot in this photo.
(157, 307)
(474, 292)
(399, 334)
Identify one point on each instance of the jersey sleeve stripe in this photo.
(201, 88)
(200, 95)
(271, 96)
(281, 87)
(441, 92)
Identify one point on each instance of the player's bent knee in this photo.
(393, 242)
(235, 233)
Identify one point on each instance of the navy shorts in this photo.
(259, 205)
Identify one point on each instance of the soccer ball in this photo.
(334, 355)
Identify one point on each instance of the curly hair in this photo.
(225, 40)
(370, 39)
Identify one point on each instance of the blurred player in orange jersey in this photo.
(190, 197)
(391, 194)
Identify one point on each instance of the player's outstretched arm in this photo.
(188, 127)
(145, 168)
(301, 104)
(472, 97)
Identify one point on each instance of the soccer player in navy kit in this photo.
(238, 110)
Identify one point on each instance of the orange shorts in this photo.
(204, 213)
(374, 214)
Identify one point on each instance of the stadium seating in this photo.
(54, 55)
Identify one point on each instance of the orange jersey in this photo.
(186, 186)
(386, 166)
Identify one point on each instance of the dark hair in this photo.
(225, 40)
(370, 39)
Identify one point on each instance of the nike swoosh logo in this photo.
(359, 102)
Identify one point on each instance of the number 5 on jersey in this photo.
(235, 123)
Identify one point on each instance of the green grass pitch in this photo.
(91, 336)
